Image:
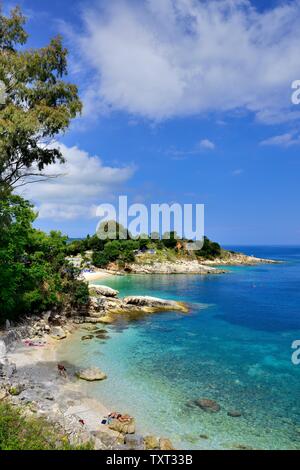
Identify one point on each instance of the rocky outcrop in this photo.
(151, 442)
(165, 444)
(127, 427)
(102, 290)
(91, 374)
(58, 333)
(229, 258)
(172, 267)
(154, 303)
(104, 309)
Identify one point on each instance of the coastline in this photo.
(63, 401)
(96, 275)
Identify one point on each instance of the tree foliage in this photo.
(39, 104)
(34, 275)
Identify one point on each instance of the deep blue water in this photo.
(234, 346)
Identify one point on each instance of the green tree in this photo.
(39, 104)
(34, 275)
(210, 250)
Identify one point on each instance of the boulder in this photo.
(102, 290)
(58, 333)
(107, 439)
(91, 374)
(165, 444)
(86, 337)
(124, 428)
(153, 302)
(210, 406)
(151, 442)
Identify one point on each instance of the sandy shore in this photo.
(64, 400)
(93, 276)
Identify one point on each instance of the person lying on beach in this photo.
(122, 418)
(62, 370)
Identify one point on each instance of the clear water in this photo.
(234, 347)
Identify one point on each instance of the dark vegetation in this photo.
(125, 251)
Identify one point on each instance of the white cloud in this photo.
(160, 59)
(283, 140)
(207, 144)
(82, 184)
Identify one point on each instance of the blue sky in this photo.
(185, 101)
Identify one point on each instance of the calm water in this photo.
(234, 347)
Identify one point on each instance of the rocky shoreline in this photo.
(237, 259)
(31, 378)
(187, 266)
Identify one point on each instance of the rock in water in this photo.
(210, 406)
(91, 374)
(154, 302)
(58, 333)
(165, 444)
(103, 290)
(85, 337)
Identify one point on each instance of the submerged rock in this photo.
(86, 337)
(91, 374)
(102, 336)
(234, 413)
(208, 405)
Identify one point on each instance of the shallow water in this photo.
(234, 346)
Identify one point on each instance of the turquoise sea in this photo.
(234, 347)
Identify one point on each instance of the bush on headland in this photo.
(122, 251)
